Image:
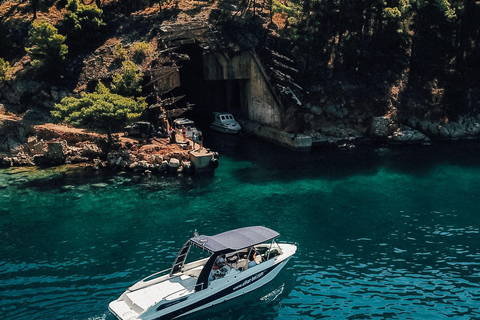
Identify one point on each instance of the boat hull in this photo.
(217, 292)
(224, 130)
(257, 280)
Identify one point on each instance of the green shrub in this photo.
(100, 110)
(82, 20)
(127, 83)
(141, 50)
(224, 17)
(120, 52)
(288, 8)
(6, 71)
(47, 49)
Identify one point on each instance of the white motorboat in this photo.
(239, 261)
(224, 122)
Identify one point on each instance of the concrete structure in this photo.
(259, 104)
(234, 80)
(291, 140)
(257, 99)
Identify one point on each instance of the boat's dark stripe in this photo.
(237, 286)
(169, 304)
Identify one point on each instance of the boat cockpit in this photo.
(219, 265)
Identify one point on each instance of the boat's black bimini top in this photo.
(222, 243)
(234, 240)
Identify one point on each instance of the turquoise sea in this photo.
(383, 232)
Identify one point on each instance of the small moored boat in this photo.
(224, 122)
(239, 261)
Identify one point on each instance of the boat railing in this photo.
(153, 278)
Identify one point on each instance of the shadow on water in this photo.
(266, 163)
(336, 163)
(66, 179)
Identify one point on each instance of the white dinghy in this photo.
(239, 261)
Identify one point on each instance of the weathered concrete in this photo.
(261, 103)
(291, 140)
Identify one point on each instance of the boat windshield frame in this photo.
(222, 243)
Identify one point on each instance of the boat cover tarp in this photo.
(235, 239)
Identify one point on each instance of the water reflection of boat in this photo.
(239, 261)
(224, 122)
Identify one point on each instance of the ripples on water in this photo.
(377, 238)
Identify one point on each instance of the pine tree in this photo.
(47, 49)
(99, 110)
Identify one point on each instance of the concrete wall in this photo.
(220, 66)
(291, 140)
(261, 104)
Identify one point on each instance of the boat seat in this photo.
(241, 264)
(272, 254)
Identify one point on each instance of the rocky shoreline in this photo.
(23, 144)
(384, 130)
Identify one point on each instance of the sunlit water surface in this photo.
(383, 233)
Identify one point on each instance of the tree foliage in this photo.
(100, 110)
(379, 41)
(127, 83)
(120, 52)
(81, 21)
(47, 49)
(6, 71)
(141, 50)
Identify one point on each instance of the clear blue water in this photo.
(383, 233)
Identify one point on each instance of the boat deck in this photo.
(169, 290)
(138, 301)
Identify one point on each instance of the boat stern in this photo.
(122, 311)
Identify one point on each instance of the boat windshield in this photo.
(196, 254)
(226, 118)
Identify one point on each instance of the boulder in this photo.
(429, 127)
(14, 93)
(173, 164)
(380, 127)
(451, 130)
(90, 150)
(157, 158)
(187, 166)
(409, 135)
(163, 166)
(471, 125)
(39, 148)
(7, 161)
(56, 152)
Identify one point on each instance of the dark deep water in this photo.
(383, 233)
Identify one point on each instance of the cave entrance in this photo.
(208, 95)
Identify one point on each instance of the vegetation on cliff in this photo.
(355, 59)
(99, 110)
(47, 49)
